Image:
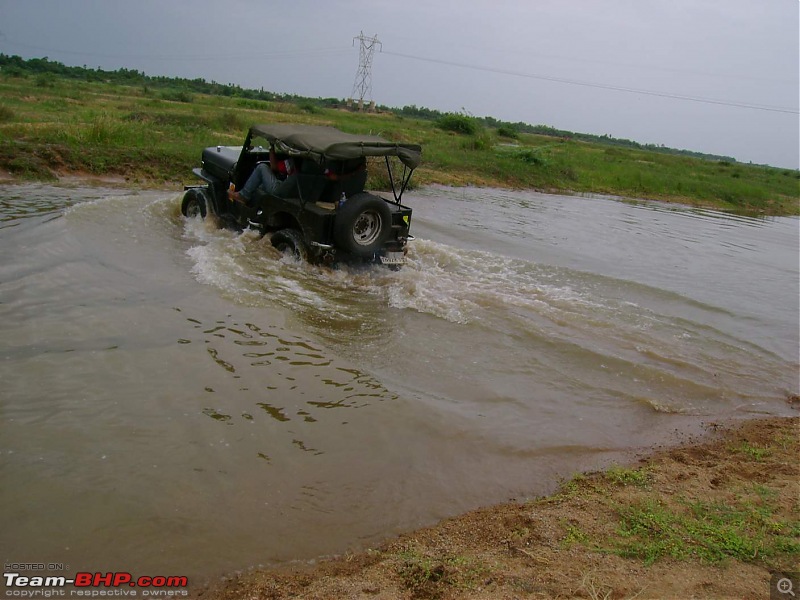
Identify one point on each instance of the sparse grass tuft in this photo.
(755, 452)
(623, 476)
(431, 576)
(480, 141)
(574, 536)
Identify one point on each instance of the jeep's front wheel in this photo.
(363, 224)
(194, 204)
(290, 241)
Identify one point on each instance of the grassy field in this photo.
(51, 126)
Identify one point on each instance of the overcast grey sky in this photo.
(563, 63)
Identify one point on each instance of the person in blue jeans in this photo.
(264, 177)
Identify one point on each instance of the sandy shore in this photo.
(714, 518)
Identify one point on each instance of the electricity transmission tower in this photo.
(362, 88)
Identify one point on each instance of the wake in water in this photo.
(597, 334)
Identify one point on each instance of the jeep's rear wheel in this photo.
(194, 204)
(363, 224)
(290, 241)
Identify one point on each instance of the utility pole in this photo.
(362, 88)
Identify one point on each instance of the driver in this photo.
(277, 177)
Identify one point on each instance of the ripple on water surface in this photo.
(171, 388)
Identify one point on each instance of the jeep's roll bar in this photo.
(323, 144)
(404, 179)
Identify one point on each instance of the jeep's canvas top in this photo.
(318, 142)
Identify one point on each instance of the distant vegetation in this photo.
(41, 67)
(56, 119)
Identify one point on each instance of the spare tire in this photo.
(363, 224)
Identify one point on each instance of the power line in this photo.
(516, 51)
(602, 86)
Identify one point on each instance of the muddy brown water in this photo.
(178, 399)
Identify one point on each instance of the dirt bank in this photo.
(711, 519)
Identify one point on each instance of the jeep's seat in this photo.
(346, 177)
(310, 180)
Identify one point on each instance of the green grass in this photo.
(745, 519)
(649, 527)
(51, 125)
(755, 452)
(709, 531)
(626, 476)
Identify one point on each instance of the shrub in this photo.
(14, 71)
(308, 107)
(508, 132)
(530, 156)
(458, 123)
(45, 80)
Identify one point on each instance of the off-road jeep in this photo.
(326, 216)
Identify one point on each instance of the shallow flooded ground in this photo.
(181, 399)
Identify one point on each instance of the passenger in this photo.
(277, 178)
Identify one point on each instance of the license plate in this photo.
(393, 258)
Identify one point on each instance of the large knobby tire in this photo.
(194, 203)
(290, 241)
(363, 224)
